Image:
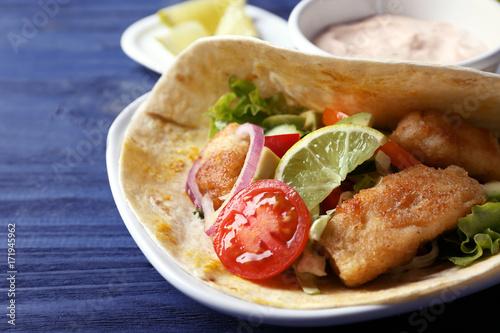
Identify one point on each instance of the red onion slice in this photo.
(191, 187)
(256, 134)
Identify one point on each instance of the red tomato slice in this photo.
(332, 200)
(399, 157)
(331, 116)
(279, 144)
(261, 230)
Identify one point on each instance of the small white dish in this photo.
(236, 307)
(480, 17)
(139, 43)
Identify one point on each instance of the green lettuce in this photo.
(477, 235)
(365, 182)
(244, 104)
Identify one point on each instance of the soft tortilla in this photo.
(167, 133)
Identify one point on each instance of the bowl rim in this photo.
(484, 60)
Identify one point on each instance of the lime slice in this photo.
(317, 164)
(207, 12)
(236, 22)
(180, 36)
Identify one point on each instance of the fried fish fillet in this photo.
(221, 163)
(382, 227)
(438, 142)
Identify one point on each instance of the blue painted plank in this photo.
(62, 83)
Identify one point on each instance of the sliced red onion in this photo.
(247, 173)
(191, 187)
(202, 202)
(210, 223)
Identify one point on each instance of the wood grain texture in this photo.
(78, 269)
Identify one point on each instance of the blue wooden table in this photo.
(73, 265)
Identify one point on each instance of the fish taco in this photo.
(303, 181)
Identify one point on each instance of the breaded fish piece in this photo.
(437, 142)
(221, 163)
(382, 227)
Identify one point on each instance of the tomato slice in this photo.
(331, 116)
(332, 200)
(399, 157)
(279, 144)
(262, 230)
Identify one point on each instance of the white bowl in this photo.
(481, 18)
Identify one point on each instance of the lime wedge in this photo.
(180, 36)
(317, 164)
(207, 12)
(236, 22)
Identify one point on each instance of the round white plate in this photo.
(139, 43)
(230, 305)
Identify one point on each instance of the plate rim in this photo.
(229, 304)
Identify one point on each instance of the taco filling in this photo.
(357, 181)
(374, 218)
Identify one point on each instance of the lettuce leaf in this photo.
(477, 235)
(244, 104)
(365, 182)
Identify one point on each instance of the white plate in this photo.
(230, 305)
(139, 43)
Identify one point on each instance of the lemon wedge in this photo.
(180, 36)
(207, 12)
(190, 20)
(236, 22)
(317, 164)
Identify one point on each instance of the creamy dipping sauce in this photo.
(400, 37)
